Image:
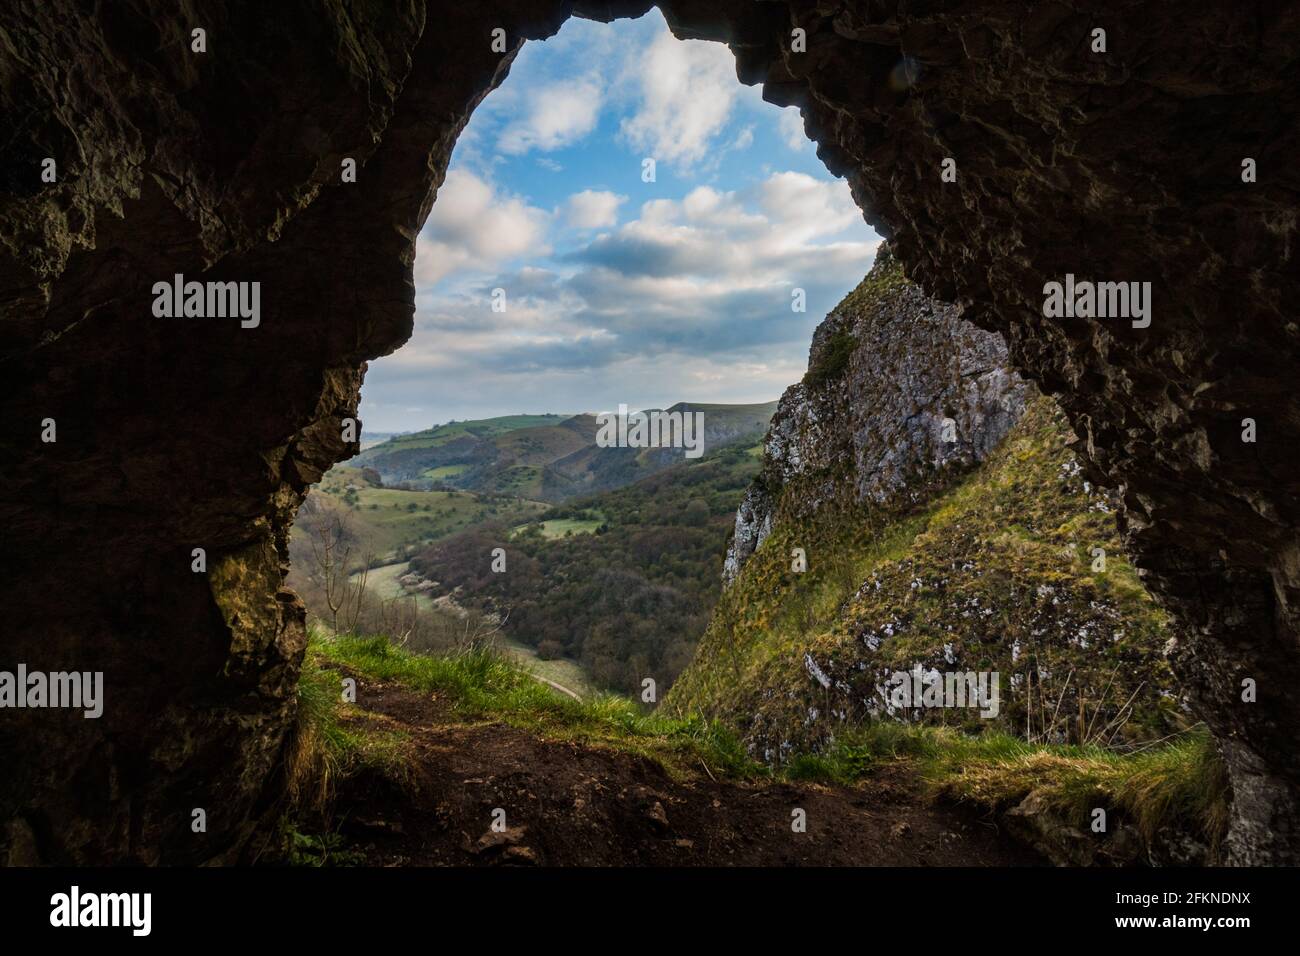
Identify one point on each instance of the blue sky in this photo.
(619, 291)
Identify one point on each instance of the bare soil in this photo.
(570, 804)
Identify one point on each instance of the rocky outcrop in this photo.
(1034, 822)
(225, 165)
(920, 514)
(901, 392)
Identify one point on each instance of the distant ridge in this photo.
(543, 457)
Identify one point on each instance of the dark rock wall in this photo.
(1123, 166)
(174, 434)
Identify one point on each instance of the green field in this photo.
(445, 471)
(563, 527)
(524, 481)
(386, 519)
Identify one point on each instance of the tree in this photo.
(331, 547)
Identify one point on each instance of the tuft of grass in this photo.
(832, 361)
(322, 751)
(481, 683)
(1180, 784)
(319, 747)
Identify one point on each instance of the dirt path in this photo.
(571, 804)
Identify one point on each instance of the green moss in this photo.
(832, 360)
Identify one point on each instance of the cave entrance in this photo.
(625, 263)
(624, 229)
(226, 167)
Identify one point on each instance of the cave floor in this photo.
(570, 804)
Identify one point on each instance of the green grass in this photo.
(484, 684)
(387, 519)
(322, 750)
(445, 471)
(1179, 784)
(832, 360)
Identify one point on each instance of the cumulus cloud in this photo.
(806, 207)
(682, 297)
(790, 126)
(593, 209)
(687, 92)
(471, 225)
(776, 236)
(555, 116)
(696, 287)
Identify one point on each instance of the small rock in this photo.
(493, 839)
(519, 856)
(657, 817)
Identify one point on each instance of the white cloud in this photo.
(791, 229)
(791, 127)
(591, 209)
(687, 91)
(687, 301)
(472, 227)
(682, 298)
(556, 115)
(808, 207)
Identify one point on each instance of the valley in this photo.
(562, 674)
(748, 616)
(655, 532)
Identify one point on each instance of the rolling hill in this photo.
(542, 457)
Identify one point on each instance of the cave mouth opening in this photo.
(625, 231)
(254, 194)
(603, 238)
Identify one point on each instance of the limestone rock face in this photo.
(924, 516)
(901, 391)
(225, 165)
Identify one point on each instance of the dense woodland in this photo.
(627, 599)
